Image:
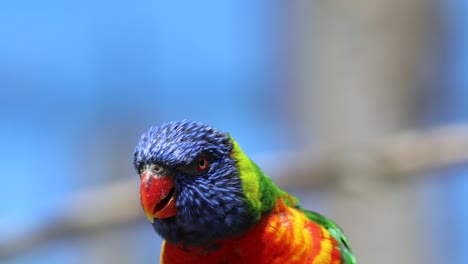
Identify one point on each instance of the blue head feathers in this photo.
(210, 204)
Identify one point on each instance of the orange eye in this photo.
(202, 163)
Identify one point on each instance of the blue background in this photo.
(81, 80)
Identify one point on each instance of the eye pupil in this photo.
(202, 164)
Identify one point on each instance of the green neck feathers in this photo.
(260, 191)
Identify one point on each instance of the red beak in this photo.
(157, 195)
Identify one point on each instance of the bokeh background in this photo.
(357, 107)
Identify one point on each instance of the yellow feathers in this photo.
(248, 175)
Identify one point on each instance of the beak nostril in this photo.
(158, 169)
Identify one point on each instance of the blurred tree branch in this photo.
(395, 157)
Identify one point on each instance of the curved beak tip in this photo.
(150, 217)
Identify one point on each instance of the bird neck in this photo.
(260, 191)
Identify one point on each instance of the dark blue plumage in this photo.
(211, 204)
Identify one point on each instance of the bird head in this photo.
(197, 186)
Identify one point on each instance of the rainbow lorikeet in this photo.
(212, 204)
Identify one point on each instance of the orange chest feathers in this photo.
(285, 236)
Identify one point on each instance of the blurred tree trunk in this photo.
(359, 67)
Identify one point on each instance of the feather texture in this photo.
(232, 212)
(286, 235)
